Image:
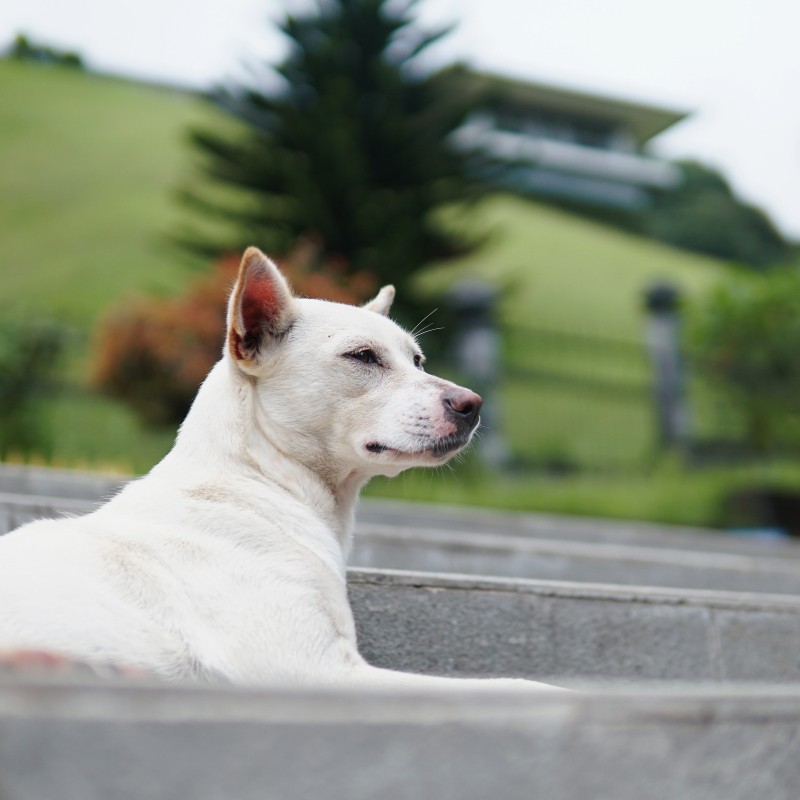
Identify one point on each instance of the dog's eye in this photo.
(365, 356)
(419, 362)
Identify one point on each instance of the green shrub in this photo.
(29, 351)
(747, 339)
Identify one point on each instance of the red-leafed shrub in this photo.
(154, 352)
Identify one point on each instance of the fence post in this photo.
(478, 358)
(662, 302)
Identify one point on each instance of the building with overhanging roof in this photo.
(568, 145)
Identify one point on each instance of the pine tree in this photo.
(354, 147)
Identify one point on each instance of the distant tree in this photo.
(23, 49)
(352, 147)
(704, 215)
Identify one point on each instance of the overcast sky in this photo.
(734, 63)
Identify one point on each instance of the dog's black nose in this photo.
(463, 406)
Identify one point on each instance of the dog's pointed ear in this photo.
(260, 309)
(382, 301)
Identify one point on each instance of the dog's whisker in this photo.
(427, 330)
(426, 327)
(429, 314)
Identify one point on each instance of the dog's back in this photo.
(68, 587)
(170, 585)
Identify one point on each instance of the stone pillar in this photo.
(662, 303)
(477, 351)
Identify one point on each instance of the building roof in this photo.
(643, 120)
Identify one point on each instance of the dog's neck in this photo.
(220, 440)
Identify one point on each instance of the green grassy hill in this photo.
(88, 170)
(568, 273)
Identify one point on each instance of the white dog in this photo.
(227, 561)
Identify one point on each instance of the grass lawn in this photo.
(668, 493)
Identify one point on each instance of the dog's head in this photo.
(341, 389)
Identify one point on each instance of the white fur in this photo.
(228, 559)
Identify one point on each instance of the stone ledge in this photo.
(550, 630)
(91, 743)
(430, 550)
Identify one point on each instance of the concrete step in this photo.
(49, 482)
(58, 485)
(464, 625)
(91, 742)
(556, 631)
(465, 551)
(17, 509)
(388, 520)
(460, 625)
(413, 516)
(430, 550)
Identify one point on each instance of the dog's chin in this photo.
(436, 452)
